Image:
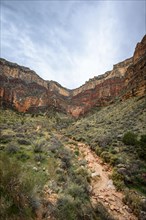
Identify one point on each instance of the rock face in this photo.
(22, 89)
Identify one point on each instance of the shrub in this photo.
(114, 160)
(39, 157)
(141, 147)
(15, 188)
(98, 150)
(23, 142)
(133, 200)
(76, 152)
(118, 179)
(38, 148)
(12, 149)
(102, 212)
(23, 156)
(143, 140)
(76, 191)
(4, 139)
(82, 162)
(66, 208)
(130, 138)
(106, 156)
(104, 141)
(65, 156)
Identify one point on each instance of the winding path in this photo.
(102, 188)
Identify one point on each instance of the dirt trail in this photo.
(102, 188)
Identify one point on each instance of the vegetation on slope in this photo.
(117, 133)
(40, 176)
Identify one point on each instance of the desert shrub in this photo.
(52, 166)
(105, 156)
(16, 188)
(102, 212)
(20, 135)
(61, 178)
(76, 152)
(53, 148)
(79, 138)
(98, 150)
(54, 145)
(66, 159)
(76, 191)
(143, 140)
(39, 157)
(66, 208)
(114, 160)
(65, 156)
(23, 142)
(82, 171)
(38, 148)
(12, 149)
(4, 139)
(118, 179)
(141, 147)
(23, 156)
(104, 141)
(82, 162)
(130, 138)
(133, 200)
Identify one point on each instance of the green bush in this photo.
(141, 147)
(130, 138)
(4, 139)
(38, 148)
(98, 150)
(105, 156)
(76, 191)
(18, 188)
(67, 208)
(76, 152)
(114, 160)
(102, 212)
(118, 180)
(39, 157)
(23, 142)
(12, 149)
(23, 156)
(132, 199)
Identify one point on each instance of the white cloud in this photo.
(68, 42)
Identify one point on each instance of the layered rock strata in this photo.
(22, 89)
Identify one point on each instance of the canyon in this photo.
(23, 90)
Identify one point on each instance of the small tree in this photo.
(130, 138)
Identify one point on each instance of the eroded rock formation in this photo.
(22, 89)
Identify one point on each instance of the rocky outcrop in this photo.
(140, 50)
(17, 94)
(135, 77)
(99, 91)
(22, 89)
(13, 70)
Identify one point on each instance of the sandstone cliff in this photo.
(22, 89)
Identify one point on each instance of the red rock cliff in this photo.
(22, 89)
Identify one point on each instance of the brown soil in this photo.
(102, 188)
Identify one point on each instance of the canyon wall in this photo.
(23, 90)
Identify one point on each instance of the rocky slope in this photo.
(23, 90)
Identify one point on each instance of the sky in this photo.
(70, 41)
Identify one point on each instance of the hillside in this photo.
(57, 165)
(74, 154)
(23, 90)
